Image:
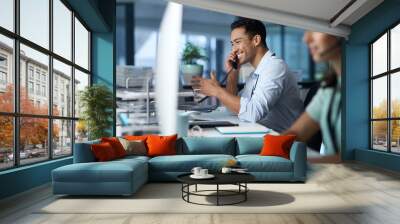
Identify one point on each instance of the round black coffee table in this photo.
(238, 179)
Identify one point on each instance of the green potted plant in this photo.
(191, 53)
(96, 102)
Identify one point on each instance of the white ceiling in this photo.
(317, 15)
(321, 9)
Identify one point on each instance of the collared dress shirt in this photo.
(271, 95)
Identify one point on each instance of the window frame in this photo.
(16, 114)
(388, 74)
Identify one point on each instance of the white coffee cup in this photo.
(226, 170)
(196, 171)
(203, 172)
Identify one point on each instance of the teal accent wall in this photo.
(379, 159)
(103, 70)
(356, 84)
(103, 53)
(99, 16)
(24, 178)
(91, 12)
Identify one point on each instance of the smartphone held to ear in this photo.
(235, 63)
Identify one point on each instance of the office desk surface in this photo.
(221, 114)
(130, 95)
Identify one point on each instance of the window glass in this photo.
(81, 81)
(39, 62)
(34, 21)
(34, 80)
(274, 38)
(145, 47)
(6, 142)
(395, 95)
(395, 136)
(395, 47)
(296, 53)
(379, 56)
(7, 14)
(379, 135)
(81, 45)
(33, 139)
(62, 142)
(81, 131)
(62, 89)
(6, 74)
(62, 29)
(379, 98)
(382, 138)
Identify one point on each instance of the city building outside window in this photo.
(43, 90)
(30, 72)
(37, 89)
(31, 88)
(3, 61)
(3, 78)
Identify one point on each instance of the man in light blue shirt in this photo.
(271, 94)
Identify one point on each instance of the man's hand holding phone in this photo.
(232, 63)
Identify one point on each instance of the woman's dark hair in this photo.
(252, 26)
(330, 79)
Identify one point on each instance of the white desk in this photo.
(129, 95)
(222, 115)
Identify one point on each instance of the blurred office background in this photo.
(138, 23)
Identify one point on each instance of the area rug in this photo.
(167, 198)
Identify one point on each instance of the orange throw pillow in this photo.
(103, 152)
(116, 145)
(277, 145)
(161, 145)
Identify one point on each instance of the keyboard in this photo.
(200, 108)
(210, 124)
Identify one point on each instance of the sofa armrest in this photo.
(83, 152)
(298, 155)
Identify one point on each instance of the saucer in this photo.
(208, 176)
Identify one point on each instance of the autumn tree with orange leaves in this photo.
(33, 131)
(380, 127)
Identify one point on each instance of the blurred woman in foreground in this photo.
(324, 111)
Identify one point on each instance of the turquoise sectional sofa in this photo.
(125, 176)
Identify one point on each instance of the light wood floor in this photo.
(379, 189)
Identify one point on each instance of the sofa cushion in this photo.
(185, 163)
(103, 152)
(116, 145)
(112, 171)
(277, 145)
(134, 147)
(257, 163)
(206, 145)
(161, 145)
(249, 145)
(132, 158)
